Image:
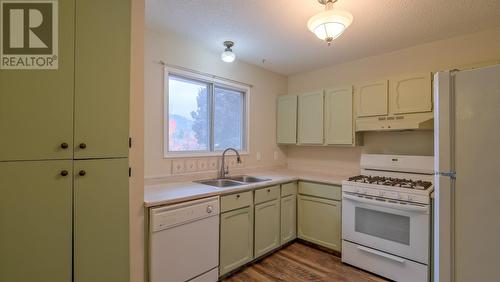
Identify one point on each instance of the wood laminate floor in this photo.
(301, 263)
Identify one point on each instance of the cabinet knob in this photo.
(268, 190)
(238, 196)
(64, 172)
(64, 145)
(81, 172)
(82, 145)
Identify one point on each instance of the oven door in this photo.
(397, 228)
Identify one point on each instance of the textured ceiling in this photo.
(275, 30)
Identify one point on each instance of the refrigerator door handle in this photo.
(450, 174)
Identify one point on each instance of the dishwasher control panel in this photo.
(174, 215)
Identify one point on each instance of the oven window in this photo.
(383, 225)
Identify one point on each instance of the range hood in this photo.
(417, 121)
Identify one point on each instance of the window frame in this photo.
(212, 83)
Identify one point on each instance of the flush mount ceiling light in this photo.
(228, 56)
(329, 24)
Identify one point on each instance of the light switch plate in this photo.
(191, 165)
(213, 164)
(178, 167)
(202, 164)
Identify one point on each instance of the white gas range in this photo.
(386, 216)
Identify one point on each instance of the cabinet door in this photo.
(372, 99)
(288, 219)
(286, 125)
(267, 227)
(411, 94)
(102, 78)
(338, 116)
(36, 106)
(236, 239)
(310, 118)
(101, 216)
(319, 221)
(35, 221)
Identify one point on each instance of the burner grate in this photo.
(390, 181)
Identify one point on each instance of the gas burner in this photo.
(390, 181)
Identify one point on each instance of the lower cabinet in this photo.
(236, 239)
(101, 220)
(288, 218)
(267, 227)
(35, 221)
(319, 221)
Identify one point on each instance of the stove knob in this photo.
(410, 198)
(381, 193)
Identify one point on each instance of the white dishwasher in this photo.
(184, 242)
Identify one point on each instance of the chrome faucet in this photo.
(225, 171)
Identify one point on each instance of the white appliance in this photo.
(184, 242)
(386, 216)
(467, 211)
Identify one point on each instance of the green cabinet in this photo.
(101, 220)
(35, 221)
(286, 120)
(288, 219)
(319, 221)
(102, 75)
(339, 122)
(36, 106)
(310, 118)
(267, 227)
(236, 239)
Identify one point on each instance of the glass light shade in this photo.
(228, 56)
(329, 24)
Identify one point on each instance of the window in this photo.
(203, 116)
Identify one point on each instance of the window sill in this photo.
(203, 155)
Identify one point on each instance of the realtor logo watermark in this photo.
(28, 34)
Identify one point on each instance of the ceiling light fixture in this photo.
(329, 24)
(228, 56)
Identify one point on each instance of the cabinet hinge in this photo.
(130, 142)
(129, 171)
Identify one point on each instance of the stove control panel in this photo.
(386, 193)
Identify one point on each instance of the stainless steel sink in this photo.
(248, 179)
(220, 182)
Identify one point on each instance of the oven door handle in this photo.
(381, 254)
(408, 207)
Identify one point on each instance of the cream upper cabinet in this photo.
(286, 126)
(371, 98)
(411, 94)
(310, 118)
(338, 116)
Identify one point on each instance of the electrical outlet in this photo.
(275, 156)
(231, 162)
(259, 156)
(202, 164)
(178, 167)
(191, 165)
(213, 164)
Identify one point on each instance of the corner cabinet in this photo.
(286, 120)
(411, 94)
(372, 98)
(339, 125)
(310, 118)
(319, 214)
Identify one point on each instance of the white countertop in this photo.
(170, 193)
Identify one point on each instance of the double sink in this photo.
(232, 181)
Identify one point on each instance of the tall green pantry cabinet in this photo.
(64, 153)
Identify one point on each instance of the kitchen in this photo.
(342, 165)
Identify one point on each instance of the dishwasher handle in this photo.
(171, 216)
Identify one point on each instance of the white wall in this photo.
(439, 55)
(175, 50)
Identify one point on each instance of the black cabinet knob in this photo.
(64, 172)
(64, 145)
(81, 172)
(82, 145)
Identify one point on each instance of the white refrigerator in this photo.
(467, 184)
